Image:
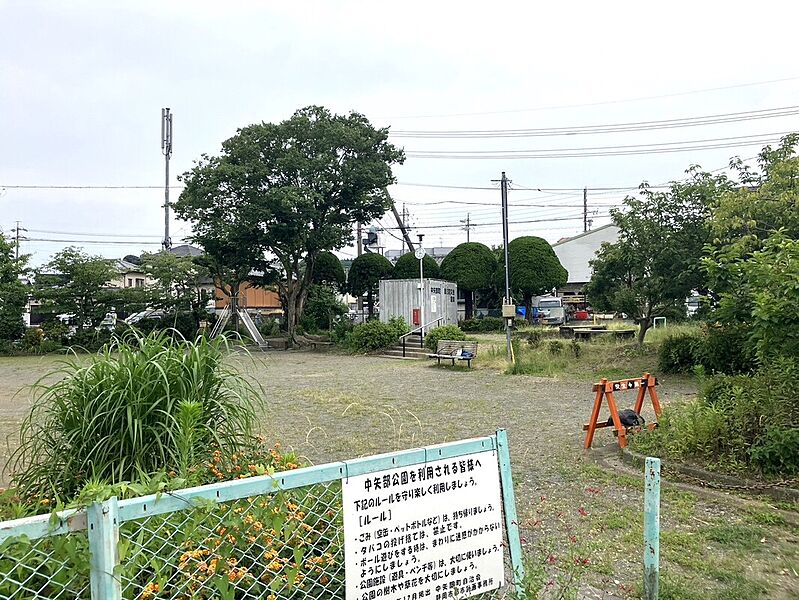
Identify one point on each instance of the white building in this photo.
(575, 253)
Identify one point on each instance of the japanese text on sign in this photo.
(432, 530)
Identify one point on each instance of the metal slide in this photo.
(252, 329)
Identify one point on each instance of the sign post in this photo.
(420, 254)
(430, 530)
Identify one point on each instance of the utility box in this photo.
(402, 298)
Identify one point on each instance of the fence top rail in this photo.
(155, 504)
(39, 526)
(225, 491)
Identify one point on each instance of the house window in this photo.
(139, 282)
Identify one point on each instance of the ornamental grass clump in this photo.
(144, 403)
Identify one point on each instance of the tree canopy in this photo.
(13, 295)
(77, 284)
(472, 266)
(329, 271)
(534, 269)
(656, 262)
(280, 194)
(365, 274)
(407, 267)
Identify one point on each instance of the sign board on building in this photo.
(432, 530)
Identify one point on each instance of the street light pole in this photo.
(420, 253)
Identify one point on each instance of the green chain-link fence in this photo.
(275, 537)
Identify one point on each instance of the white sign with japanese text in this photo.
(432, 530)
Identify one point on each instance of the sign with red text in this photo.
(432, 530)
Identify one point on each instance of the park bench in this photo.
(453, 350)
(619, 334)
(320, 344)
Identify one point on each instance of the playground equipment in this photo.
(605, 389)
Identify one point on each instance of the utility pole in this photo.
(585, 209)
(17, 240)
(402, 227)
(467, 227)
(166, 150)
(508, 320)
(404, 215)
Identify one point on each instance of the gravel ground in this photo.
(329, 406)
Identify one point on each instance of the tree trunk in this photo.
(469, 297)
(644, 323)
(528, 308)
(234, 306)
(369, 303)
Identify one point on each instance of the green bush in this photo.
(445, 332)
(376, 335)
(483, 325)
(680, 353)
(534, 338)
(728, 349)
(555, 347)
(777, 452)
(144, 404)
(576, 348)
(342, 331)
(738, 423)
(32, 339)
(89, 340)
(54, 330)
(269, 327)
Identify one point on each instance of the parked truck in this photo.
(549, 310)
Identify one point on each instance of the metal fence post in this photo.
(651, 528)
(103, 525)
(509, 502)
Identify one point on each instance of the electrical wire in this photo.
(601, 103)
(627, 127)
(663, 148)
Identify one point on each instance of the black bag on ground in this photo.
(628, 418)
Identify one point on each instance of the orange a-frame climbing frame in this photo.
(605, 389)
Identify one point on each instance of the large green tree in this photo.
(13, 294)
(78, 284)
(365, 274)
(764, 204)
(472, 266)
(534, 269)
(280, 194)
(656, 262)
(407, 267)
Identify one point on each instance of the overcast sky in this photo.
(82, 85)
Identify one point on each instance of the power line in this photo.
(715, 119)
(625, 150)
(103, 242)
(116, 235)
(601, 103)
(89, 187)
(448, 225)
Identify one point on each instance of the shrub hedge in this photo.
(445, 332)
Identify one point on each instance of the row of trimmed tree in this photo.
(476, 268)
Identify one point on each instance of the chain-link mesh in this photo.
(51, 567)
(286, 544)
